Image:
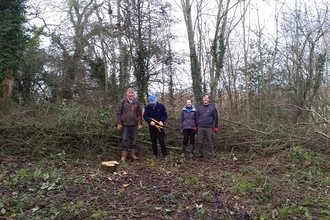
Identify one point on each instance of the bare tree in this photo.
(194, 64)
(101, 36)
(73, 43)
(246, 38)
(304, 53)
(143, 23)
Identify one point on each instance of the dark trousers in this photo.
(129, 137)
(160, 135)
(188, 135)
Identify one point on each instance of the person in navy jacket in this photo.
(155, 115)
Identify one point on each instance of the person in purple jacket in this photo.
(188, 127)
(155, 115)
(207, 122)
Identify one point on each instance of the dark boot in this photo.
(123, 155)
(133, 156)
(201, 150)
(192, 147)
(184, 148)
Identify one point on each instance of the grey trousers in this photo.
(207, 134)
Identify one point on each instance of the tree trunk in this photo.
(195, 67)
(105, 63)
(218, 50)
(247, 81)
(6, 92)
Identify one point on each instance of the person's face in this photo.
(206, 100)
(188, 103)
(130, 95)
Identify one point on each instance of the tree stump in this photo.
(109, 166)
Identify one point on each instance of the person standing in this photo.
(155, 115)
(207, 122)
(128, 116)
(188, 127)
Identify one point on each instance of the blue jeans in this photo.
(129, 136)
(206, 133)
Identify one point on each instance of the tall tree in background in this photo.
(207, 53)
(218, 48)
(194, 64)
(170, 71)
(305, 32)
(123, 68)
(12, 44)
(105, 64)
(70, 41)
(143, 23)
(246, 39)
(28, 87)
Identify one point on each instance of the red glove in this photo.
(216, 130)
(195, 129)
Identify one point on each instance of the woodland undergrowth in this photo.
(49, 128)
(267, 168)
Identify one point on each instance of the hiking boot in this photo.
(200, 155)
(123, 155)
(191, 155)
(133, 156)
(184, 148)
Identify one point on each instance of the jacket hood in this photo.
(192, 109)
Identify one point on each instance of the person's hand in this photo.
(139, 127)
(216, 130)
(195, 129)
(161, 123)
(152, 123)
(119, 127)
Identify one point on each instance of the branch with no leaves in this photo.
(316, 113)
(321, 133)
(312, 111)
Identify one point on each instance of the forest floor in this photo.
(291, 184)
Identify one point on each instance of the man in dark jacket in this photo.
(155, 115)
(128, 116)
(207, 122)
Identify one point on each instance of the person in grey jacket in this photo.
(128, 116)
(188, 127)
(207, 122)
